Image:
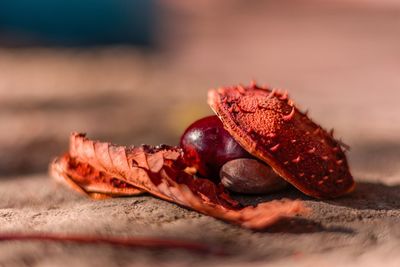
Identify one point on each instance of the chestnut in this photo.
(207, 146)
(250, 176)
(216, 155)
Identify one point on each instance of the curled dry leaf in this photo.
(105, 170)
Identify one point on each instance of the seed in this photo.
(250, 176)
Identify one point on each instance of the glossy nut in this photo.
(207, 146)
(250, 176)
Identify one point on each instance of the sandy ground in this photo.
(340, 62)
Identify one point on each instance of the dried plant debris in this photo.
(102, 170)
(269, 126)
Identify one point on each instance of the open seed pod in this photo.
(268, 125)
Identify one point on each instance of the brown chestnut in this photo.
(250, 176)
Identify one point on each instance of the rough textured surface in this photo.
(366, 221)
(341, 61)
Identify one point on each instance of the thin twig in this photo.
(132, 242)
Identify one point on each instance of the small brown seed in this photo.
(250, 176)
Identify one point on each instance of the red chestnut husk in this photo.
(268, 125)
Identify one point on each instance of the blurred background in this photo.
(137, 71)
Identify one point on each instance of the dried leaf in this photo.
(96, 167)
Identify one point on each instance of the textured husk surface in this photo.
(269, 126)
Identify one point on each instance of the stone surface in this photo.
(341, 62)
(357, 228)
